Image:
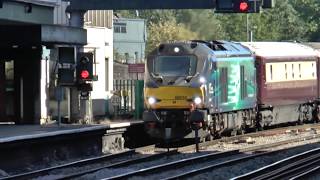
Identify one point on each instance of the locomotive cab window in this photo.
(175, 65)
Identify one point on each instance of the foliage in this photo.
(164, 31)
(289, 20)
(278, 24)
(203, 22)
(309, 11)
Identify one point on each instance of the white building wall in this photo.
(100, 43)
(109, 56)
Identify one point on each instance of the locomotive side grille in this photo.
(224, 84)
(243, 83)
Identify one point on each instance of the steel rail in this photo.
(120, 164)
(175, 164)
(220, 165)
(255, 134)
(238, 160)
(296, 168)
(279, 168)
(306, 174)
(82, 162)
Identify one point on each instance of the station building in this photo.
(32, 33)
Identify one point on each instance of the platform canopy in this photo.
(139, 4)
(33, 35)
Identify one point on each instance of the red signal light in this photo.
(84, 74)
(243, 6)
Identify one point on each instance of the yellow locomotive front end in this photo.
(173, 97)
(174, 85)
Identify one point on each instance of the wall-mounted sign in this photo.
(136, 68)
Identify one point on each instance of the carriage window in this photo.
(293, 71)
(285, 67)
(312, 71)
(270, 72)
(299, 70)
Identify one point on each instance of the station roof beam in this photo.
(139, 4)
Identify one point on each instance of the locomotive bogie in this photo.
(235, 122)
(167, 124)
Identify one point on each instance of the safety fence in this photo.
(127, 98)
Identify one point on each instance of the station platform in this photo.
(23, 146)
(11, 133)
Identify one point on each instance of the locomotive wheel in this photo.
(241, 131)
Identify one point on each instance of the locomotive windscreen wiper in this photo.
(157, 77)
(188, 78)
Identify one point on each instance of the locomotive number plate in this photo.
(180, 97)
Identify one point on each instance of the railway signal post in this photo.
(84, 77)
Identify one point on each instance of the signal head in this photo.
(84, 60)
(84, 74)
(243, 6)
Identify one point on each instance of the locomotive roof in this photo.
(226, 48)
(280, 49)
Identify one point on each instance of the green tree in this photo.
(234, 26)
(280, 23)
(309, 11)
(164, 31)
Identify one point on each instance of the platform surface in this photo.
(9, 133)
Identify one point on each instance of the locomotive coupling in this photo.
(196, 119)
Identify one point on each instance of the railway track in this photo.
(291, 167)
(117, 159)
(271, 132)
(142, 155)
(308, 174)
(234, 157)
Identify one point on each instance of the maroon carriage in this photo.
(287, 81)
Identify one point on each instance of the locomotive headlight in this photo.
(197, 100)
(176, 49)
(151, 100)
(202, 80)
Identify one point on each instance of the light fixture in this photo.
(28, 8)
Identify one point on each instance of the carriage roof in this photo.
(280, 49)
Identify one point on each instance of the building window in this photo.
(120, 27)
(123, 29)
(117, 29)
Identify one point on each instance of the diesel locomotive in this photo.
(221, 87)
